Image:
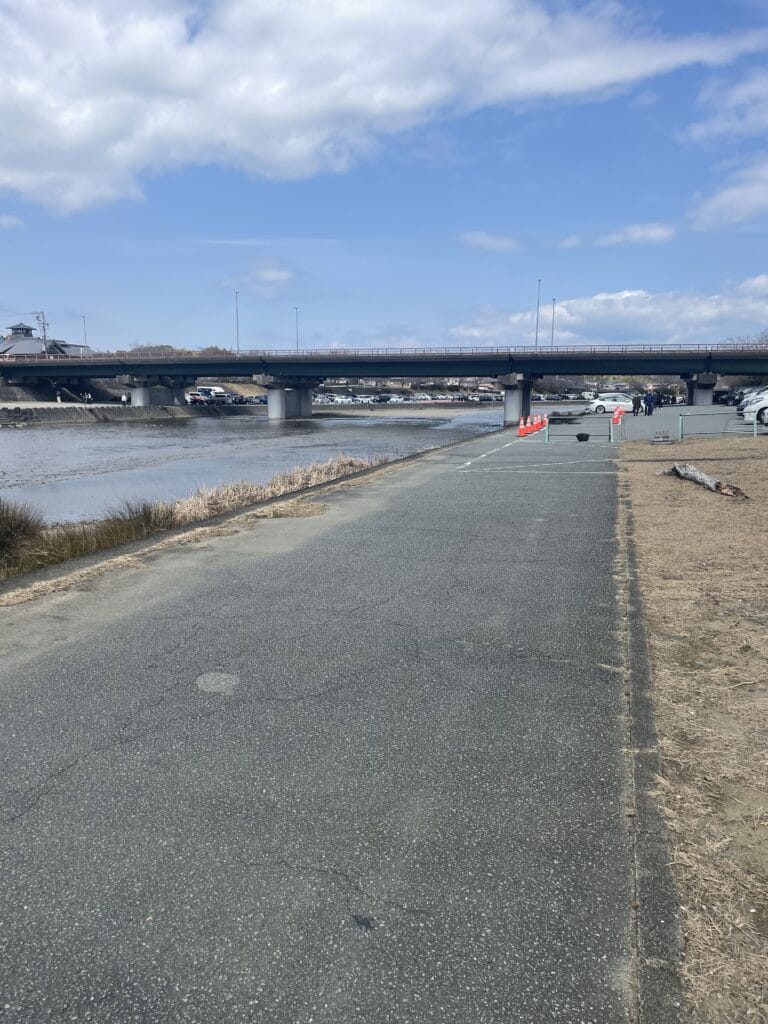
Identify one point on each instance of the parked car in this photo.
(757, 409)
(205, 396)
(610, 402)
(211, 395)
(750, 397)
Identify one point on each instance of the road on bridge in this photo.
(362, 765)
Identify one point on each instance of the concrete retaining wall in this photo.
(66, 415)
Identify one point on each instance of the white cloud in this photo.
(489, 242)
(8, 221)
(101, 92)
(743, 198)
(569, 242)
(635, 315)
(735, 109)
(267, 280)
(639, 233)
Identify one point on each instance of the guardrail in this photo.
(630, 349)
(683, 416)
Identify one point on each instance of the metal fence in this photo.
(733, 425)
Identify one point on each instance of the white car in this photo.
(753, 398)
(757, 409)
(610, 402)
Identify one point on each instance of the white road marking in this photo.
(492, 452)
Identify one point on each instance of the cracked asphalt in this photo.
(360, 766)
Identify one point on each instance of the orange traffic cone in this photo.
(521, 428)
(528, 426)
(536, 422)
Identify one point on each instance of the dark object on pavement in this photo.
(582, 437)
(688, 472)
(572, 416)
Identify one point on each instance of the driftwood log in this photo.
(688, 472)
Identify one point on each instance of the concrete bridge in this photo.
(291, 377)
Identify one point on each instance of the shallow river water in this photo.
(80, 472)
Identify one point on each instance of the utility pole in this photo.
(538, 305)
(237, 322)
(297, 327)
(85, 333)
(552, 339)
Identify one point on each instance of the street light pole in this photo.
(85, 333)
(552, 339)
(237, 322)
(538, 305)
(297, 327)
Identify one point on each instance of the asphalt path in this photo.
(366, 765)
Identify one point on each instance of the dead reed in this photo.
(26, 543)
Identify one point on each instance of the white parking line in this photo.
(492, 452)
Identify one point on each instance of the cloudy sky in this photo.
(403, 172)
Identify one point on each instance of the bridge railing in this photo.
(361, 353)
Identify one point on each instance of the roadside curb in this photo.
(659, 941)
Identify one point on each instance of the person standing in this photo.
(637, 403)
(124, 399)
(649, 400)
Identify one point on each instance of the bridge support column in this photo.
(146, 391)
(517, 397)
(287, 399)
(289, 403)
(170, 396)
(704, 392)
(701, 388)
(140, 396)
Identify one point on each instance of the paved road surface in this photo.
(364, 766)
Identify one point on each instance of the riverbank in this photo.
(27, 543)
(703, 562)
(31, 414)
(34, 415)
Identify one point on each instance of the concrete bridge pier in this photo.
(154, 391)
(517, 397)
(700, 388)
(287, 399)
(289, 403)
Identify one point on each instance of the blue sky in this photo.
(404, 173)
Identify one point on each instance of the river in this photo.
(80, 472)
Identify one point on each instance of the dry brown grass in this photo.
(703, 561)
(207, 502)
(37, 546)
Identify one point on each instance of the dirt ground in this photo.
(703, 562)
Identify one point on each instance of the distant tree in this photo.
(214, 350)
(158, 350)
